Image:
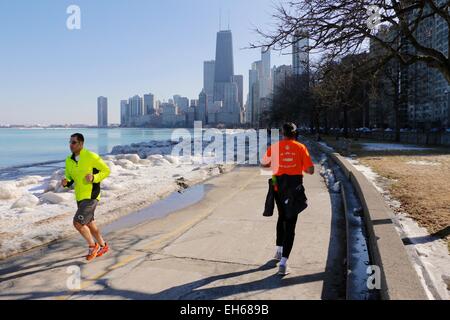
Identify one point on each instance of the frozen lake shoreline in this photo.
(35, 210)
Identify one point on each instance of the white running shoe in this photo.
(283, 270)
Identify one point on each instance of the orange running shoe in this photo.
(102, 250)
(93, 251)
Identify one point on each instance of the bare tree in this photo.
(332, 92)
(344, 88)
(344, 27)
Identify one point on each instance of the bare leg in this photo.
(85, 232)
(96, 233)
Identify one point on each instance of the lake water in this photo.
(22, 149)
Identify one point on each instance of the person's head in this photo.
(76, 142)
(290, 130)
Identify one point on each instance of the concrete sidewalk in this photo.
(218, 248)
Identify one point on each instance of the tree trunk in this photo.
(345, 122)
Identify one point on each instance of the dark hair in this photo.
(290, 130)
(79, 137)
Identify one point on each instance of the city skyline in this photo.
(220, 102)
(59, 82)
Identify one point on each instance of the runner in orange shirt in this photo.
(287, 157)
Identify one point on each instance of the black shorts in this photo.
(85, 212)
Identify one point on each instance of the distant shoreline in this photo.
(24, 127)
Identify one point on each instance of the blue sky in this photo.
(49, 74)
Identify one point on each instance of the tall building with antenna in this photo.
(227, 97)
(225, 87)
(224, 67)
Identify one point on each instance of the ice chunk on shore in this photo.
(172, 159)
(134, 158)
(57, 198)
(145, 149)
(145, 162)
(58, 175)
(155, 157)
(110, 185)
(8, 191)
(26, 201)
(109, 158)
(28, 181)
(52, 185)
(158, 160)
(126, 164)
(161, 162)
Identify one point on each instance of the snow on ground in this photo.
(390, 147)
(327, 147)
(429, 255)
(35, 210)
(423, 163)
(327, 173)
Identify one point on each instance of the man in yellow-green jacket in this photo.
(86, 170)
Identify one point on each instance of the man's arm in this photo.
(67, 182)
(103, 169)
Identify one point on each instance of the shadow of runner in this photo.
(17, 268)
(189, 291)
(21, 267)
(272, 282)
(52, 267)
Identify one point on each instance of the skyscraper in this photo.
(239, 80)
(226, 90)
(157, 106)
(124, 113)
(102, 112)
(280, 76)
(266, 74)
(252, 82)
(300, 54)
(136, 106)
(224, 65)
(425, 93)
(201, 110)
(255, 87)
(149, 103)
(181, 102)
(208, 77)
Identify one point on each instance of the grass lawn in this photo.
(418, 179)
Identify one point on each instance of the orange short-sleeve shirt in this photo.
(288, 157)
